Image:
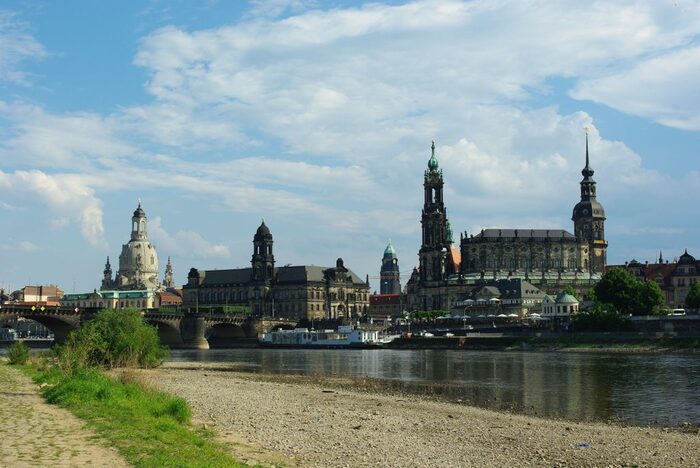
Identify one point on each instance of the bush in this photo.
(18, 353)
(112, 339)
(602, 318)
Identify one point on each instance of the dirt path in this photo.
(34, 433)
(322, 425)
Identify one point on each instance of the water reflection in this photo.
(639, 389)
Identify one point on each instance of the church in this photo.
(547, 258)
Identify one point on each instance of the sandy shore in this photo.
(295, 421)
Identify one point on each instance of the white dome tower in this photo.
(138, 262)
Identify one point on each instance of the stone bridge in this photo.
(199, 331)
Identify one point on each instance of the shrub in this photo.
(18, 353)
(112, 339)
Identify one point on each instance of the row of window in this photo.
(242, 296)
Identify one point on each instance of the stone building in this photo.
(675, 278)
(303, 291)
(548, 258)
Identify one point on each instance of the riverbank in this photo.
(331, 422)
(35, 433)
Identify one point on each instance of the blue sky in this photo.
(318, 117)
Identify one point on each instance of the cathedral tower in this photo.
(389, 274)
(589, 222)
(435, 243)
(168, 281)
(107, 282)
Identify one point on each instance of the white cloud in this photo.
(16, 45)
(185, 243)
(663, 89)
(66, 194)
(26, 246)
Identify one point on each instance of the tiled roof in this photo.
(524, 234)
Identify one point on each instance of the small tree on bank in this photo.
(112, 339)
(692, 300)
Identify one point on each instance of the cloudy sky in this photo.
(318, 116)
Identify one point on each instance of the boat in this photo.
(346, 336)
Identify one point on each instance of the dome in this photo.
(563, 298)
(433, 162)
(686, 259)
(263, 230)
(588, 209)
(139, 213)
(389, 250)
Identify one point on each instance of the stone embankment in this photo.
(329, 423)
(35, 433)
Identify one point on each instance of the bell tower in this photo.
(435, 243)
(263, 262)
(589, 222)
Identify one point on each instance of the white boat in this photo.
(345, 337)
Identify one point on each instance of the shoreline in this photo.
(314, 421)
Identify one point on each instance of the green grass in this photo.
(148, 427)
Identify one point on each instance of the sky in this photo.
(318, 117)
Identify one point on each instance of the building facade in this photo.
(548, 258)
(303, 291)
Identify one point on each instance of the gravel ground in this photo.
(320, 424)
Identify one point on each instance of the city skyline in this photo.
(318, 117)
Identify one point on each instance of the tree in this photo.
(692, 300)
(650, 299)
(619, 289)
(626, 294)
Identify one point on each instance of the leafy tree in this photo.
(692, 300)
(650, 299)
(619, 289)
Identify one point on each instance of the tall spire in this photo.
(587, 171)
(661, 257)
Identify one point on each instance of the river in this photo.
(640, 389)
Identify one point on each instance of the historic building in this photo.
(547, 258)
(389, 276)
(136, 284)
(138, 262)
(675, 278)
(303, 291)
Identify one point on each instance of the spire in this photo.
(432, 162)
(587, 171)
(389, 249)
(661, 257)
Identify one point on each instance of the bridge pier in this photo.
(192, 329)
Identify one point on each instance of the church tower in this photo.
(389, 274)
(589, 222)
(435, 243)
(168, 281)
(138, 261)
(107, 282)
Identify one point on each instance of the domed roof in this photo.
(433, 162)
(263, 230)
(389, 250)
(686, 259)
(139, 213)
(564, 298)
(588, 208)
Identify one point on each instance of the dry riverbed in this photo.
(296, 420)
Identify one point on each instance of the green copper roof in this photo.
(389, 250)
(450, 239)
(563, 298)
(433, 162)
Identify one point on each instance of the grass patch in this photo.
(148, 427)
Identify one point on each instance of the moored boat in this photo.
(345, 336)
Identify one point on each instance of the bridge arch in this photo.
(59, 325)
(222, 335)
(168, 332)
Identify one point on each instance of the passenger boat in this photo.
(346, 336)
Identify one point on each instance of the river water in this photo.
(637, 389)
